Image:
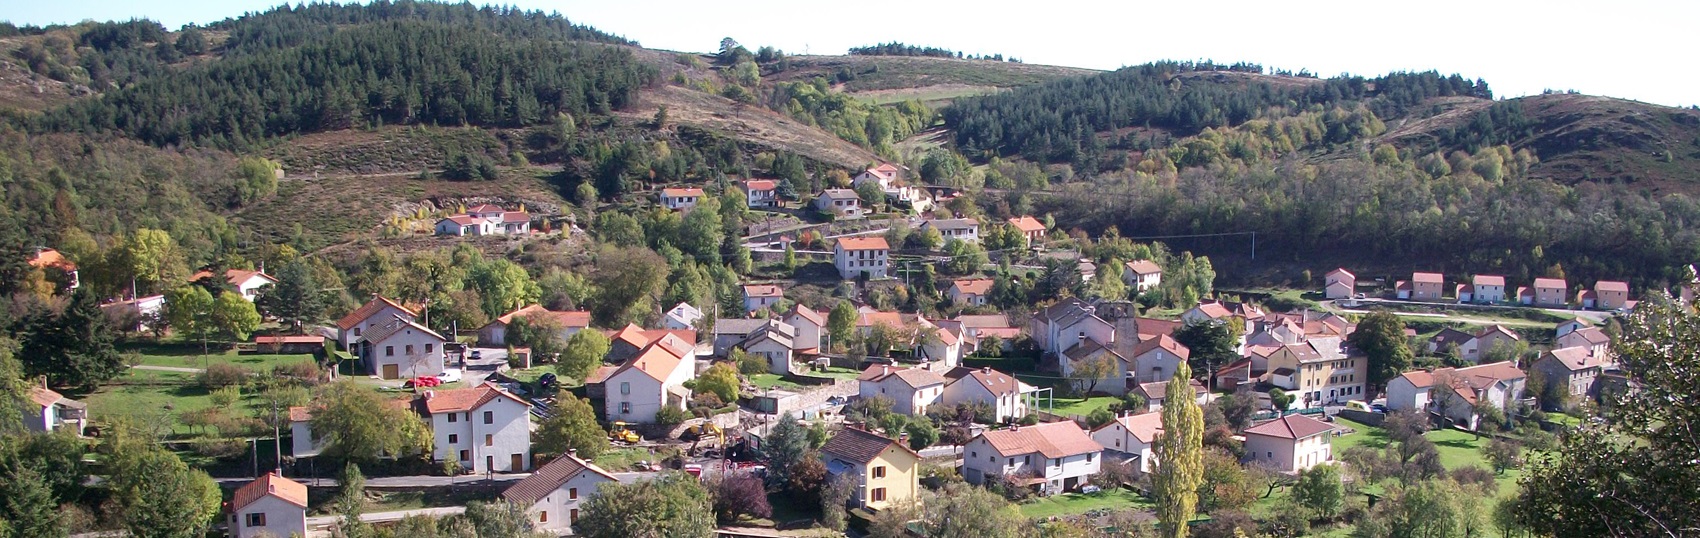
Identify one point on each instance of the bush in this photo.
(226, 397)
(304, 372)
(1473, 475)
(220, 375)
(670, 416)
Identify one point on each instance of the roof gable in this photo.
(550, 477)
(1051, 439)
(371, 308)
(270, 485)
(1290, 427)
(860, 446)
(456, 400)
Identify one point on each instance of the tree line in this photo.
(289, 26)
(901, 49)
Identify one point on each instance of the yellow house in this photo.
(1317, 372)
(885, 471)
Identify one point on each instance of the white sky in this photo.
(1631, 49)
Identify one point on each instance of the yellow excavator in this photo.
(622, 432)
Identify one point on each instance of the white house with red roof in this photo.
(649, 381)
(303, 442)
(484, 428)
(1427, 286)
(1454, 392)
(1133, 435)
(495, 333)
(885, 175)
(47, 258)
(247, 282)
(1487, 289)
(1058, 456)
(861, 256)
(962, 229)
(839, 202)
(554, 494)
(271, 506)
(970, 291)
(1031, 229)
(1142, 274)
(759, 296)
(998, 390)
(402, 348)
(1339, 284)
(48, 411)
(1593, 339)
(760, 192)
(810, 325)
(485, 219)
(911, 390)
(680, 198)
(1291, 443)
(1155, 360)
(377, 311)
(1610, 295)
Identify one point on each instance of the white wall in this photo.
(983, 460)
(510, 433)
(1402, 395)
(560, 504)
(967, 389)
(1116, 437)
(419, 363)
(282, 519)
(384, 315)
(645, 397)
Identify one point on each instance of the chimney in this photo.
(885, 370)
(985, 369)
(572, 452)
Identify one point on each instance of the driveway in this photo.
(490, 361)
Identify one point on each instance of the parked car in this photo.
(477, 354)
(546, 382)
(451, 375)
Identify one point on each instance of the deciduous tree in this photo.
(675, 505)
(721, 379)
(1319, 488)
(160, 496)
(573, 427)
(737, 495)
(234, 316)
(1179, 451)
(359, 426)
(1380, 336)
(583, 353)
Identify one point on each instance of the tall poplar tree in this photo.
(1180, 457)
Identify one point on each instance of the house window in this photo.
(389, 351)
(453, 438)
(466, 455)
(356, 332)
(409, 349)
(625, 408)
(572, 517)
(572, 493)
(543, 517)
(453, 417)
(879, 472)
(489, 417)
(1093, 455)
(878, 495)
(257, 519)
(430, 347)
(489, 440)
(625, 387)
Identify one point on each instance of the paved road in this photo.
(434, 481)
(1596, 316)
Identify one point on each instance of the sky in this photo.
(1627, 49)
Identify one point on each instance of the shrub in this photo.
(303, 372)
(220, 375)
(670, 416)
(1474, 475)
(226, 397)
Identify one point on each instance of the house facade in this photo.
(961, 229)
(970, 291)
(911, 390)
(1291, 443)
(885, 175)
(555, 493)
(1495, 336)
(1573, 367)
(1591, 338)
(376, 312)
(774, 342)
(855, 256)
(1318, 371)
(680, 198)
(1156, 359)
(1339, 284)
(1031, 229)
(1427, 286)
(1550, 293)
(1487, 289)
(810, 325)
(402, 348)
(761, 192)
(302, 441)
(1132, 435)
(1611, 294)
(270, 506)
(485, 219)
(1142, 274)
(1454, 392)
(995, 389)
(1054, 456)
(653, 379)
(759, 296)
(885, 471)
(484, 429)
(246, 282)
(682, 316)
(495, 333)
(839, 202)
(48, 411)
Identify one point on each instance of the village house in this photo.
(1487, 289)
(1610, 295)
(246, 282)
(378, 311)
(1573, 368)
(270, 506)
(1591, 338)
(967, 230)
(653, 379)
(760, 192)
(1448, 340)
(1318, 371)
(49, 411)
(682, 316)
(1222, 311)
(970, 291)
(1550, 293)
(1574, 324)
(1339, 284)
(631, 339)
(774, 342)
(51, 261)
(402, 348)
(1156, 359)
(977, 328)
(1142, 275)
(1291, 443)
(495, 333)
(1494, 336)
(484, 429)
(137, 310)
(728, 333)
(680, 198)
(1463, 293)
(885, 175)
(486, 219)
(1133, 436)
(911, 390)
(1031, 229)
(1156, 392)
(809, 325)
(886, 472)
(839, 202)
(303, 442)
(995, 389)
(1052, 456)
(553, 494)
(1454, 392)
(865, 256)
(1426, 286)
(1525, 295)
(759, 296)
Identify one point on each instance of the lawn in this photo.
(1068, 504)
(141, 393)
(1082, 406)
(187, 355)
(770, 381)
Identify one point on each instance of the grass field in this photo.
(142, 392)
(1083, 406)
(1079, 503)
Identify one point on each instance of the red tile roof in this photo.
(679, 193)
(1161, 341)
(1027, 224)
(860, 446)
(807, 313)
(48, 257)
(515, 216)
(914, 377)
(455, 400)
(973, 286)
(1290, 427)
(601, 374)
(1143, 267)
(303, 339)
(1550, 283)
(763, 290)
(570, 318)
(1611, 285)
(367, 310)
(1575, 358)
(548, 478)
(995, 382)
(485, 208)
(43, 396)
(655, 360)
(300, 414)
(1427, 278)
(271, 485)
(1488, 280)
(863, 243)
(1340, 271)
(1143, 426)
(233, 276)
(761, 185)
(1050, 439)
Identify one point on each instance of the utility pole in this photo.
(277, 440)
